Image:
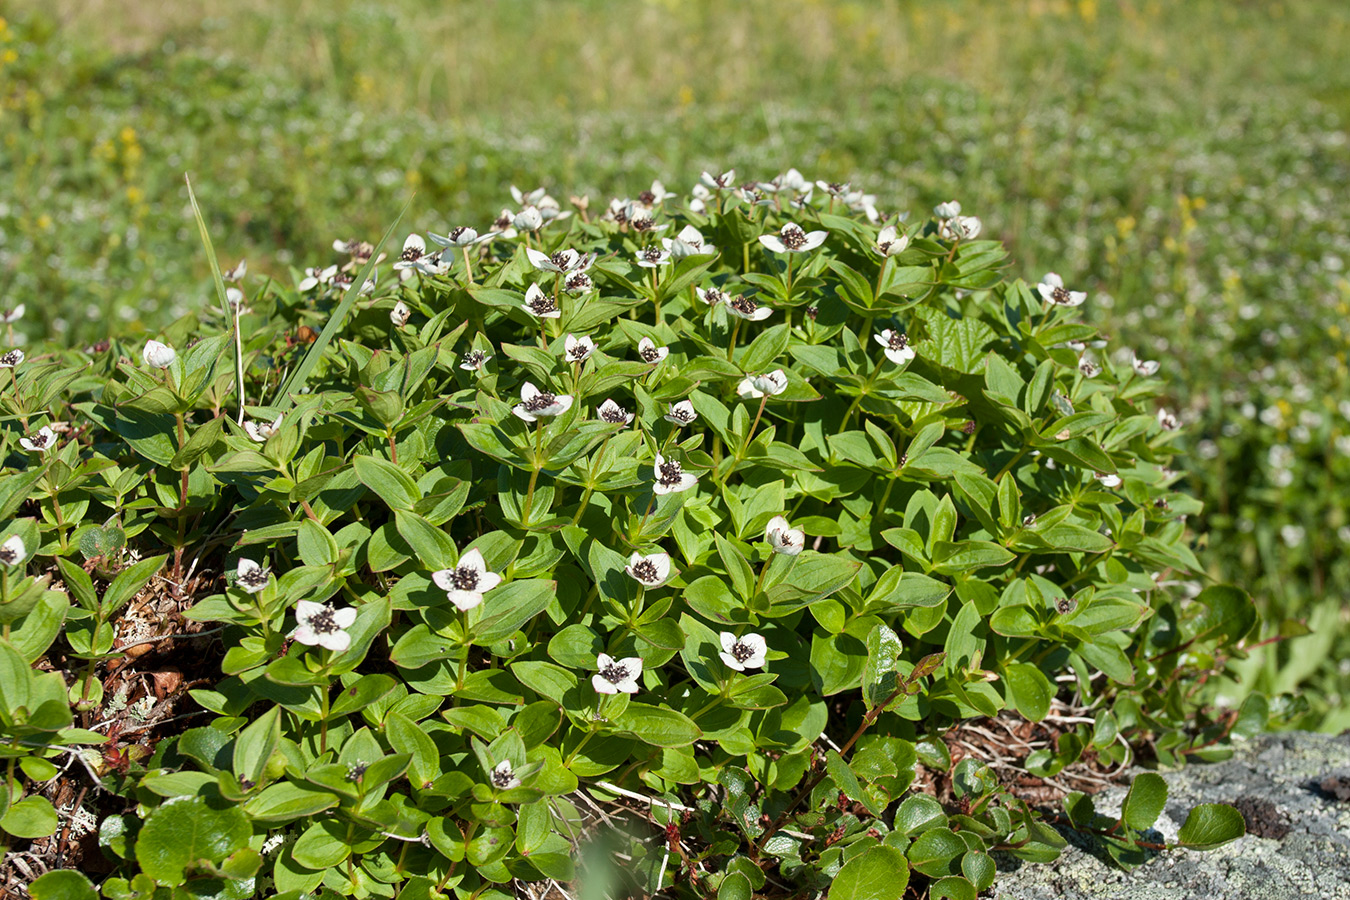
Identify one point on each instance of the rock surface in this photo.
(1292, 788)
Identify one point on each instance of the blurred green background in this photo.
(1186, 163)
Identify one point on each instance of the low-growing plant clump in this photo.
(759, 540)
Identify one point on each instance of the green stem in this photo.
(731, 345)
(323, 720)
(464, 660)
(534, 473)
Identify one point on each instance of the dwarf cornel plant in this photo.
(685, 548)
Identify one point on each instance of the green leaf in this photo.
(129, 582)
(953, 887)
(918, 813)
(880, 678)
(881, 873)
(30, 818)
(286, 802)
(1211, 825)
(1145, 801)
(764, 349)
(509, 607)
(1028, 690)
(847, 781)
(185, 830)
(658, 725)
(736, 886)
(387, 481)
(934, 852)
(65, 884)
(1229, 614)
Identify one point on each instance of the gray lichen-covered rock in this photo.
(1292, 788)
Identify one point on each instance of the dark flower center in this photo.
(324, 622)
(457, 232)
(579, 352)
(614, 414)
(652, 254)
(39, 440)
(684, 415)
(1089, 369)
(357, 771)
(743, 305)
(542, 304)
(897, 341)
(579, 281)
(645, 570)
(502, 777)
(10, 359)
(562, 260)
(784, 539)
(8, 556)
(541, 401)
(1059, 295)
(501, 223)
(411, 254)
(650, 354)
(671, 473)
(614, 673)
(740, 652)
(1064, 606)
(713, 296)
(647, 197)
(464, 578)
(792, 237)
(258, 578)
(475, 358)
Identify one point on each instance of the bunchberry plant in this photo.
(726, 547)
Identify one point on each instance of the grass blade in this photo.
(231, 315)
(301, 374)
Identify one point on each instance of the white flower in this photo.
(965, 228)
(689, 242)
(744, 308)
(833, 188)
(400, 314)
(783, 537)
(462, 236)
(1144, 367)
(528, 219)
(650, 353)
(11, 359)
(252, 578)
(561, 261)
(578, 283)
(757, 386)
(10, 316)
(949, 210)
(474, 360)
(651, 571)
(236, 273)
(315, 277)
(657, 194)
(161, 356)
(12, 551)
(501, 226)
(323, 625)
(616, 675)
(1167, 421)
(236, 298)
(670, 477)
(261, 431)
(897, 346)
(863, 203)
(577, 349)
(700, 195)
(272, 843)
(791, 180)
(414, 248)
(503, 776)
(1107, 480)
(681, 413)
(712, 296)
(535, 403)
(653, 257)
(741, 653)
(40, 442)
(791, 239)
(467, 582)
(719, 182)
(891, 242)
(1089, 368)
(540, 305)
(1052, 291)
(613, 413)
